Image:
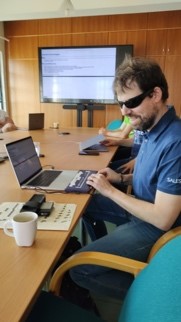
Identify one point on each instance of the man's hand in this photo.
(110, 142)
(110, 175)
(100, 182)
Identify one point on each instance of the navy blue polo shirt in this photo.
(158, 164)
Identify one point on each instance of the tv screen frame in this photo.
(79, 74)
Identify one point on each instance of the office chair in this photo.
(153, 296)
(114, 125)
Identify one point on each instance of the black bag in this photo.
(72, 246)
(70, 290)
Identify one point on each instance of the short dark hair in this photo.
(145, 72)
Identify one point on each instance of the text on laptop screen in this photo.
(24, 159)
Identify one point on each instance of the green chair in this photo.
(114, 125)
(154, 296)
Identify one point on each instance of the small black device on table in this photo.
(37, 203)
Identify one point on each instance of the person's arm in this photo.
(162, 213)
(8, 125)
(116, 142)
(9, 120)
(125, 132)
(114, 133)
(114, 177)
(121, 133)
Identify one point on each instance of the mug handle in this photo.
(7, 226)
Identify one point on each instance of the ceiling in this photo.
(41, 9)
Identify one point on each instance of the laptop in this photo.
(93, 144)
(30, 175)
(36, 121)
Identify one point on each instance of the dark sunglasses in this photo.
(135, 101)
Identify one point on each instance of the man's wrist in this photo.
(121, 178)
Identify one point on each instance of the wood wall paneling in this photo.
(128, 22)
(24, 93)
(156, 42)
(113, 112)
(159, 59)
(138, 39)
(165, 46)
(117, 37)
(164, 42)
(174, 42)
(152, 34)
(64, 40)
(21, 28)
(54, 26)
(172, 68)
(167, 19)
(99, 118)
(90, 24)
(23, 47)
(52, 114)
(90, 39)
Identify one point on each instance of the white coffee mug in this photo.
(55, 125)
(22, 227)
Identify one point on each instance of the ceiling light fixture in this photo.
(68, 7)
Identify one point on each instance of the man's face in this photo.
(144, 115)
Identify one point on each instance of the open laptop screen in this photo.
(24, 159)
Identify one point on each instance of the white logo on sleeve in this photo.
(172, 180)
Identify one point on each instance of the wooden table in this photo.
(24, 271)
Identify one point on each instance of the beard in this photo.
(146, 122)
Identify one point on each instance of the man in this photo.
(6, 123)
(142, 91)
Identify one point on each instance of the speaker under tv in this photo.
(81, 74)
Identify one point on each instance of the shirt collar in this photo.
(163, 123)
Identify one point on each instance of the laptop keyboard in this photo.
(45, 178)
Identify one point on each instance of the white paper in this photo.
(59, 219)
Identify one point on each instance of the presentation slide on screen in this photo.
(78, 87)
(79, 62)
(77, 73)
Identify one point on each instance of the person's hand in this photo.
(109, 142)
(102, 130)
(9, 127)
(100, 182)
(111, 175)
(127, 167)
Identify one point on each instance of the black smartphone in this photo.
(46, 208)
(64, 133)
(34, 203)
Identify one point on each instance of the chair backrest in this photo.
(114, 125)
(155, 294)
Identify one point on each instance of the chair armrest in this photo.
(165, 238)
(96, 258)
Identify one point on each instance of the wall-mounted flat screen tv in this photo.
(79, 75)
